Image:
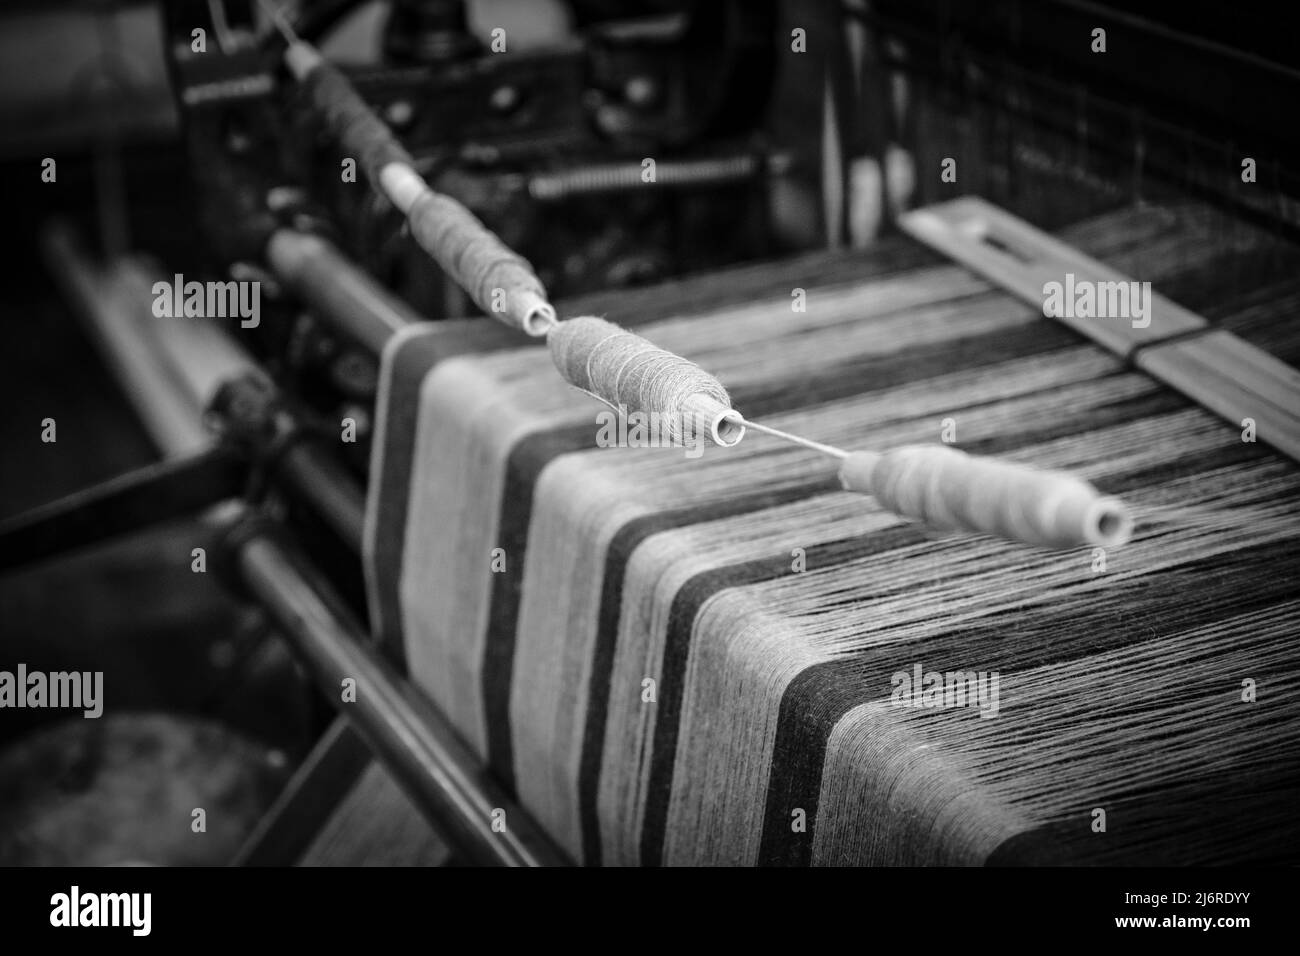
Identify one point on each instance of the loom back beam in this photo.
(500, 282)
(1213, 367)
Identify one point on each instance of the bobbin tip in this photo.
(722, 423)
(728, 428)
(1107, 523)
(539, 317)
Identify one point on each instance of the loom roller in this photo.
(936, 484)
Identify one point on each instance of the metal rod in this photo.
(171, 489)
(415, 742)
(339, 291)
(328, 487)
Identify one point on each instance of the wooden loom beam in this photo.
(1214, 368)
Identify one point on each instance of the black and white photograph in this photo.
(664, 434)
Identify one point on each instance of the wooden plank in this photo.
(377, 825)
(1021, 259)
(1213, 367)
(1235, 380)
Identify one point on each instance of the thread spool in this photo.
(500, 282)
(951, 490)
(360, 132)
(625, 370)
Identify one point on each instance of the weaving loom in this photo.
(568, 494)
(772, 611)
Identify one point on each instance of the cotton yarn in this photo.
(951, 490)
(625, 370)
(500, 282)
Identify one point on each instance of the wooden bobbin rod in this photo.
(951, 490)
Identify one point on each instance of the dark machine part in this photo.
(428, 31)
(665, 81)
(139, 499)
(1054, 130)
(526, 140)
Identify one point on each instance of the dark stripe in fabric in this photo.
(524, 465)
(681, 622)
(1264, 826)
(412, 361)
(392, 484)
(625, 541)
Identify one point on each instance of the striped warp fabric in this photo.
(773, 736)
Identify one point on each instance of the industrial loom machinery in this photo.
(971, 534)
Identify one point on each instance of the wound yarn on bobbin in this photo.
(360, 132)
(951, 490)
(469, 252)
(625, 370)
(501, 282)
